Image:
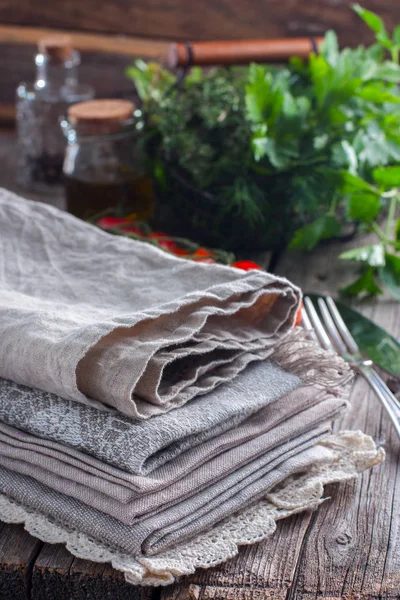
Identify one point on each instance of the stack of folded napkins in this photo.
(154, 412)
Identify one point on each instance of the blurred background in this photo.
(109, 33)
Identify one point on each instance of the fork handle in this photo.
(387, 399)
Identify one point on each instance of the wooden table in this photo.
(349, 548)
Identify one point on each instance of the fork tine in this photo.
(317, 325)
(331, 327)
(341, 325)
(305, 321)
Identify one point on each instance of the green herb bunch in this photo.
(260, 157)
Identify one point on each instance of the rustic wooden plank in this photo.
(207, 20)
(18, 551)
(196, 592)
(351, 546)
(268, 566)
(94, 581)
(58, 574)
(50, 573)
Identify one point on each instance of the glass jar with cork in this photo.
(102, 166)
(40, 142)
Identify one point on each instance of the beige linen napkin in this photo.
(88, 315)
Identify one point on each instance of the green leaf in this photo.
(390, 274)
(195, 75)
(374, 147)
(320, 72)
(308, 236)
(383, 38)
(257, 93)
(373, 255)
(279, 152)
(372, 340)
(150, 79)
(377, 94)
(378, 143)
(377, 344)
(344, 155)
(375, 52)
(364, 284)
(396, 35)
(397, 230)
(387, 177)
(370, 18)
(363, 206)
(330, 48)
(159, 175)
(353, 184)
(388, 71)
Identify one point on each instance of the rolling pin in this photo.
(237, 52)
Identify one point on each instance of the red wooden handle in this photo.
(240, 51)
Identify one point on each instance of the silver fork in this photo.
(335, 336)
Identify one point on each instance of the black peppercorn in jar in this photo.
(102, 166)
(39, 106)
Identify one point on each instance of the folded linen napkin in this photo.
(140, 447)
(123, 486)
(181, 521)
(347, 454)
(268, 429)
(88, 315)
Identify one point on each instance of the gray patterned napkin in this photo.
(139, 447)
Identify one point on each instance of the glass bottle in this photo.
(103, 167)
(40, 141)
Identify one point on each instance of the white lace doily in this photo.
(350, 452)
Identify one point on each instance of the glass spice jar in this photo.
(102, 166)
(40, 142)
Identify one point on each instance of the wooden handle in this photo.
(240, 51)
(87, 42)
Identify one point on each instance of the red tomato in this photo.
(201, 252)
(299, 316)
(132, 229)
(110, 222)
(181, 251)
(168, 245)
(246, 265)
(158, 234)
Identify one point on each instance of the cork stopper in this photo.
(100, 116)
(57, 47)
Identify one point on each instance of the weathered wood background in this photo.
(205, 20)
(149, 23)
